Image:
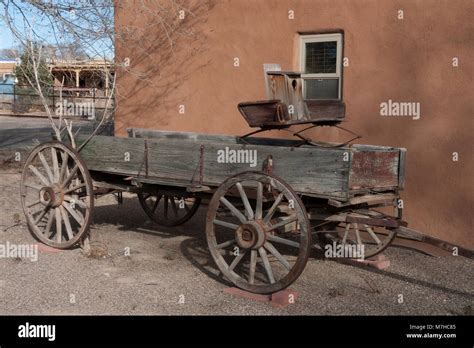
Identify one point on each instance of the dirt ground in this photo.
(165, 264)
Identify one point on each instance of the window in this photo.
(320, 60)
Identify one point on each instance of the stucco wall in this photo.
(403, 60)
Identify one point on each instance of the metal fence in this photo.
(85, 103)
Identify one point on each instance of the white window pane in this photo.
(322, 88)
(320, 57)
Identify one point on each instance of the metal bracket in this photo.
(146, 158)
(267, 166)
(201, 170)
(304, 140)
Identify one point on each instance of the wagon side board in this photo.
(377, 168)
(171, 161)
(187, 159)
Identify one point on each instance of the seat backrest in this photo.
(286, 86)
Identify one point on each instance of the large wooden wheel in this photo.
(56, 195)
(168, 210)
(258, 232)
(371, 239)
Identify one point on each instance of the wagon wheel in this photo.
(374, 239)
(262, 249)
(56, 195)
(167, 210)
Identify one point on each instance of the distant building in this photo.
(82, 76)
(7, 78)
(7, 69)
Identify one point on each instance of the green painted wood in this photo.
(312, 170)
(321, 171)
(114, 155)
(174, 159)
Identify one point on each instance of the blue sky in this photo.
(43, 29)
(6, 38)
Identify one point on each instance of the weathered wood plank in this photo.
(174, 159)
(213, 138)
(371, 169)
(320, 171)
(114, 155)
(314, 170)
(371, 198)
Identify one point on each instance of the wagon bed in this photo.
(190, 160)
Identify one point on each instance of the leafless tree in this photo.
(81, 29)
(84, 29)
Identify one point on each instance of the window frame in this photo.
(304, 39)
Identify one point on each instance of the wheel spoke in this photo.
(290, 219)
(245, 200)
(54, 156)
(65, 158)
(74, 188)
(58, 226)
(173, 206)
(75, 201)
(373, 235)
(356, 227)
(33, 204)
(42, 214)
(166, 207)
(236, 260)
(33, 186)
(46, 167)
(73, 213)
(67, 223)
(49, 223)
(225, 244)
(346, 233)
(186, 206)
(234, 210)
(70, 176)
(252, 266)
(39, 175)
(280, 240)
(272, 209)
(158, 198)
(277, 254)
(266, 264)
(226, 224)
(258, 205)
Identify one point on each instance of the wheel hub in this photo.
(51, 196)
(250, 235)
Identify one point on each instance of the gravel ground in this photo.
(166, 263)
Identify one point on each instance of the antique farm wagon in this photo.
(269, 201)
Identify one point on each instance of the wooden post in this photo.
(77, 78)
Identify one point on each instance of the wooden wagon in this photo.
(269, 201)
